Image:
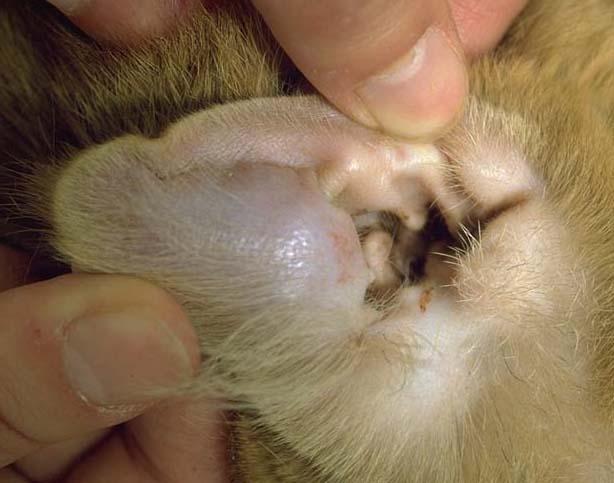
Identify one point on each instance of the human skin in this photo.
(386, 79)
(60, 422)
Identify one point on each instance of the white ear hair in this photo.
(244, 211)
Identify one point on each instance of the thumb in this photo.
(392, 64)
(83, 352)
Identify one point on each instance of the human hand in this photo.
(397, 65)
(81, 354)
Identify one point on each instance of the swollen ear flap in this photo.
(226, 199)
(246, 213)
(258, 192)
(246, 209)
(254, 198)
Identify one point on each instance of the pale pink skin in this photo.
(244, 213)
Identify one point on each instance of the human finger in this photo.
(83, 352)
(52, 462)
(125, 21)
(392, 64)
(182, 441)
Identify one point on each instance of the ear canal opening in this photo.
(401, 257)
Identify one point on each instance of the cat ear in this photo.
(245, 213)
(226, 200)
(260, 191)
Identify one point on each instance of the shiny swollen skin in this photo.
(309, 257)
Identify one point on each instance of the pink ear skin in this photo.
(250, 214)
(244, 191)
(257, 196)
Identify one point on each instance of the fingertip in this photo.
(395, 65)
(92, 350)
(420, 94)
(152, 300)
(125, 22)
(127, 342)
(127, 350)
(85, 294)
(122, 358)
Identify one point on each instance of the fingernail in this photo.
(124, 359)
(420, 94)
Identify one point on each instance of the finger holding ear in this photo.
(396, 65)
(84, 352)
